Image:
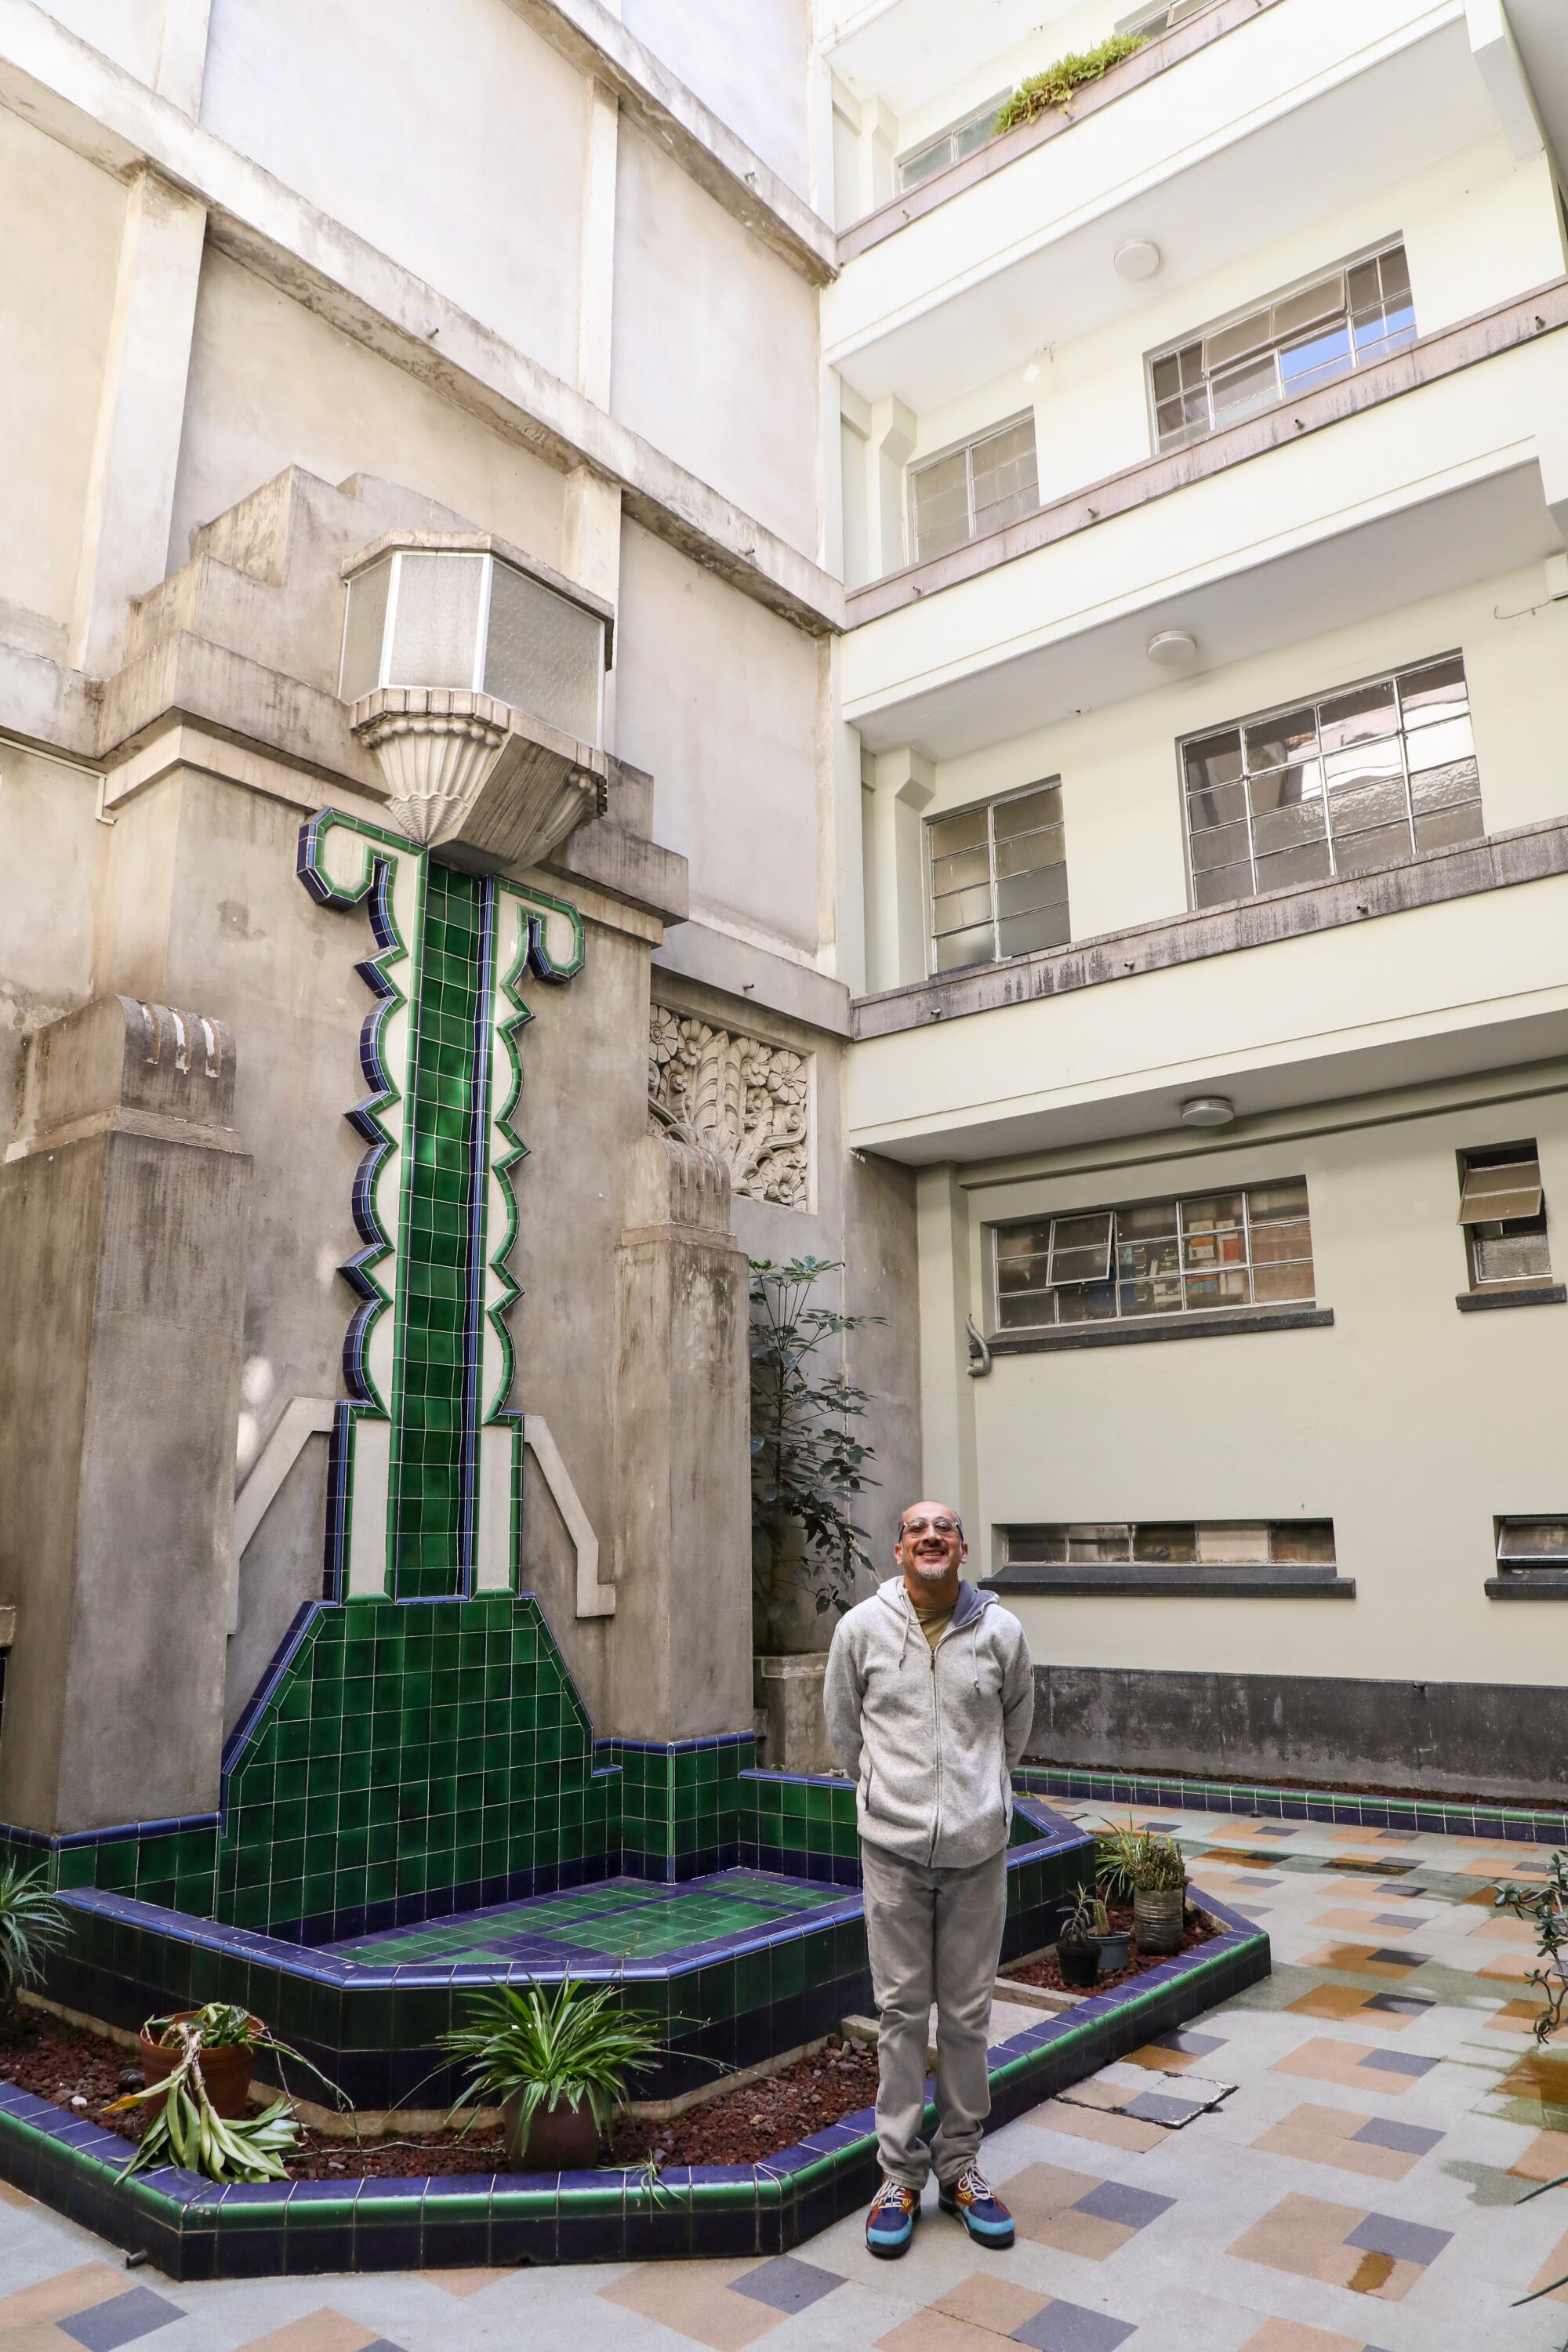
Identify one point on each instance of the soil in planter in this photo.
(81, 2072)
(1197, 1928)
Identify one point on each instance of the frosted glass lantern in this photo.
(445, 617)
(477, 679)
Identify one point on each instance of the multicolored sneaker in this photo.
(890, 2223)
(978, 2207)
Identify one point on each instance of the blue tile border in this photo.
(197, 2229)
(1436, 1816)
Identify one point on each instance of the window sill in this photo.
(1271, 1582)
(1226, 1323)
(1534, 1294)
(1531, 1584)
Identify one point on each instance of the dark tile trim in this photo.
(1268, 1582)
(1531, 1584)
(1478, 1302)
(194, 2229)
(1136, 1331)
(1509, 1824)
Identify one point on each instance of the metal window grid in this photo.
(950, 145)
(1508, 1251)
(1225, 1283)
(1125, 1543)
(1022, 500)
(1436, 821)
(996, 916)
(1194, 367)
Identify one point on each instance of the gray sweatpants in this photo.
(933, 1934)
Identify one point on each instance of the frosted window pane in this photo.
(363, 625)
(436, 628)
(545, 655)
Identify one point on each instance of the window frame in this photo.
(1173, 1318)
(1389, 677)
(942, 817)
(1173, 347)
(950, 132)
(965, 447)
(1478, 1157)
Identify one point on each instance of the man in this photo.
(929, 1697)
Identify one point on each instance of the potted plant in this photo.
(1112, 1942)
(1149, 1868)
(31, 1923)
(557, 2062)
(1078, 1954)
(193, 2060)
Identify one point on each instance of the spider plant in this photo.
(31, 1923)
(564, 2046)
(188, 2131)
(1131, 1861)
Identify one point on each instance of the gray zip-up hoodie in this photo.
(930, 1735)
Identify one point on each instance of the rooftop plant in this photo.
(1054, 84)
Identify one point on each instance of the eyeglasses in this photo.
(937, 1527)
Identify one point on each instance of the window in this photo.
(1503, 1211)
(950, 146)
(1283, 348)
(1207, 1253)
(1531, 1547)
(998, 880)
(1161, 17)
(1361, 778)
(957, 497)
(1157, 1543)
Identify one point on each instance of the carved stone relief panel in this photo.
(746, 1101)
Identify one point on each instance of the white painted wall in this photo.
(748, 64)
(715, 345)
(63, 222)
(1408, 1424)
(717, 698)
(129, 31)
(451, 137)
(271, 384)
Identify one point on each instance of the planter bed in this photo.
(1045, 1970)
(194, 2229)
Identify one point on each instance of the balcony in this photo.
(1446, 464)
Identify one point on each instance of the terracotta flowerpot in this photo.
(226, 2073)
(1080, 1964)
(1157, 1918)
(559, 2139)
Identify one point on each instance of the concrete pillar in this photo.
(681, 1642)
(183, 54)
(141, 404)
(892, 442)
(947, 1394)
(877, 147)
(123, 1209)
(902, 786)
(591, 554)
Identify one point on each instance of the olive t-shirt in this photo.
(934, 1622)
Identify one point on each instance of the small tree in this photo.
(808, 1466)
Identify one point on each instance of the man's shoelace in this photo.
(891, 2192)
(973, 2184)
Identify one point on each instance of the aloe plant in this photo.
(564, 2047)
(188, 2131)
(31, 1923)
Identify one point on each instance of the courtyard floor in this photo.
(1383, 2107)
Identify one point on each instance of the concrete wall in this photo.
(715, 339)
(1410, 1424)
(751, 68)
(434, 136)
(52, 852)
(272, 385)
(717, 698)
(64, 222)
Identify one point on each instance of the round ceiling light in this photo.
(1207, 1110)
(1170, 648)
(1137, 259)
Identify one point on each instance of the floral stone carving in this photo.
(742, 1099)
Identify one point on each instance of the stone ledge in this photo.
(1271, 1582)
(1481, 1302)
(1225, 1323)
(1529, 1584)
(1529, 852)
